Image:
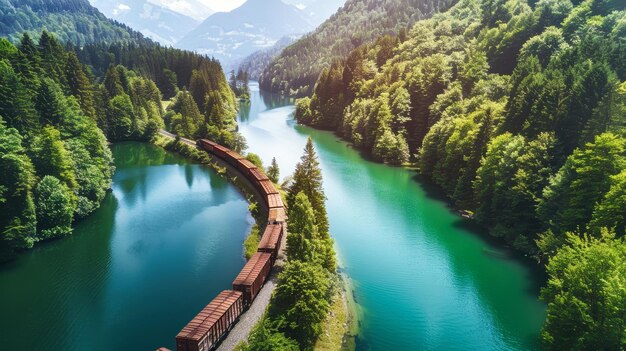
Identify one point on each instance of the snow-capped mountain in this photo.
(229, 36)
(150, 18)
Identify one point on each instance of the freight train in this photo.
(205, 331)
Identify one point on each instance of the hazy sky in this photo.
(222, 5)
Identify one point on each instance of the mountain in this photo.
(154, 21)
(72, 21)
(196, 9)
(359, 21)
(256, 62)
(317, 10)
(256, 25)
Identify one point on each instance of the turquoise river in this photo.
(169, 237)
(424, 279)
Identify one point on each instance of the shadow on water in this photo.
(501, 249)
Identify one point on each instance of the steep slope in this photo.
(154, 21)
(317, 10)
(359, 21)
(73, 21)
(255, 63)
(196, 9)
(257, 24)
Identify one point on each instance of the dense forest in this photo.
(73, 21)
(295, 70)
(518, 112)
(55, 161)
(306, 285)
(57, 115)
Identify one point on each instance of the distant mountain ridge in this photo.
(257, 24)
(296, 69)
(154, 21)
(256, 62)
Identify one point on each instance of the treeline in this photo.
(239, 83)
(306, 285)
(298, 66)
(202, 102)
(518, 111)
(55, 165)
(171, 69)
(73, 21)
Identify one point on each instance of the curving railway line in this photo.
(211, 325)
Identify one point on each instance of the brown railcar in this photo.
(233, 158)
(274, 201)
(207, 145)
(271, 240)
(257, 175)
(266, 187)
(208, 328)
(277, 215)
(244, 166)
(220, 152)
(253, 275)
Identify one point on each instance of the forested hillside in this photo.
(358, 22)
(256, 62)
(55, 161)
(72, 21)
(517, 110)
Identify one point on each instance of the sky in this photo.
(223, 5)
(197, 7)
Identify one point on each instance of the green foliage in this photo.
(301, 301)
(17, 208)
(295, 70)
(492, 97)
(252, 242)
(239, 84)
(609, 213)
(255, 159)
(509, 182)
(54, 208)
(134, 106)
(73, 21)
(264, 337)
(585, 294)
(307, 178)
(273, 172)
(64, 169)
(568, 201)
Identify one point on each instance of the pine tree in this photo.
(112, 82)
(273, 173)
(79, 85)
(307, 178)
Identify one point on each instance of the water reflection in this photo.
(164, 241)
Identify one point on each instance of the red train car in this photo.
(253, 275)
(206, 144)
(220, 152)
(233, 158)
(212, 323)
(274, 201)
(245, 167)
(277, 215)
(266, 187)
(271, 240)
(257, 175)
